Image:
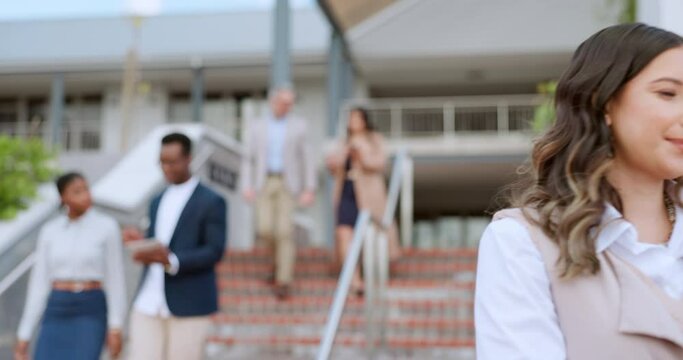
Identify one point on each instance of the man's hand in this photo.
(114, 343)
(331, 163)
(158, 254)
(131, 234)
(249, 195)
(21, 350)
(306, 198)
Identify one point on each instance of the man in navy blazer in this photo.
(178, 291)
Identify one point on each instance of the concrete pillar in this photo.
(197, 93)
(57, 110)
(22, 116)
(334, 82)
(340, 78)
(280, 72)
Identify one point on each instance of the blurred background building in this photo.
(454, 81)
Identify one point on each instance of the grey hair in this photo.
(273, 91)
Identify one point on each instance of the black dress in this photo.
(347, 213)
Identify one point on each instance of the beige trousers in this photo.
(174, 338)
(274, 209)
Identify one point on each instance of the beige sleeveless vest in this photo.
(617, 313)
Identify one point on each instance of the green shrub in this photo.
(544, 114)
(627, 10)
(24, 164)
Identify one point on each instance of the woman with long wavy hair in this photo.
(589, 262)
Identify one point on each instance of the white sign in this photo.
(143, 7)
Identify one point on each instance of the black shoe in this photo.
(282, 291)
(358, 291)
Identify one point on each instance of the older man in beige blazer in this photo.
(277, 171)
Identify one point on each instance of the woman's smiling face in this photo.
(646, 118)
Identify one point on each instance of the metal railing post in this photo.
(407, 202)
(448, 120)
(382, 280)
(396, 123)
(503, 117)
(370, 274)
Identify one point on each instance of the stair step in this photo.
(429, 310)
(311, 252)
(307, 330)
(324, 252)
(237, 351)
(448, 253)
(325, 270)
(344, 340)
(351, 301)
(328, 285)
(319, 305)
(307, 291)
(348, 321)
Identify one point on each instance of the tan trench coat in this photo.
(367, 173)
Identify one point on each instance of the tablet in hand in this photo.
(142, 245)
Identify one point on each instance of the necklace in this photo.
(670, 212)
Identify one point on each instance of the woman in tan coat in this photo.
(358, 166)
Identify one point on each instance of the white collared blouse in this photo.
(514, 311)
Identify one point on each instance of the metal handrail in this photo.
(373, 239)
(21, 245)
(342, 290)
(394, 188)
(17, 273)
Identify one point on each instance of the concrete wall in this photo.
(419, 29)
(460, 47)
(149, 111)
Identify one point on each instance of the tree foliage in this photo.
(24, 165)
(544, 114)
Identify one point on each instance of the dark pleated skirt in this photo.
(347, 213)
(74, 326)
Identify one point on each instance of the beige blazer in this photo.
(368, 177)
(619, 313)
(299, 164)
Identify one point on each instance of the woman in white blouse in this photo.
(589, 265)
(78, 256)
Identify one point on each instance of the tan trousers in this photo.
(274, 209)
(174, 338)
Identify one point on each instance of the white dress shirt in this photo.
(152, 297)
(514, 311)
(277, 134)
(88, 248)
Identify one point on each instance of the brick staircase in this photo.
(429, 310)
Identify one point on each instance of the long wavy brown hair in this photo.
(567, 188)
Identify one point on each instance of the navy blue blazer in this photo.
(199, 243)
